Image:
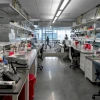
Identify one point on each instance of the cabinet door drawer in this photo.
(89, 77)
(89, 63)
(82, 67)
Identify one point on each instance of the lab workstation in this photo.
(49, 49)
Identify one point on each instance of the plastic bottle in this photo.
(94, 52)
(6, 67)
(91, 47)
(25, 47)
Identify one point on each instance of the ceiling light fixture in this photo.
(53, 21)
(63, 4)
(55, 18)
(50, 26)
(58, 13)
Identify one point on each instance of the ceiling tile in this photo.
(45, 9)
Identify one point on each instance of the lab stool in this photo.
(75, 57)
(41, 57)
(67, 57)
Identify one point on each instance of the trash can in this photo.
(32, 81)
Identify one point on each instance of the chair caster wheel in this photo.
(40, 68)
(93, 97)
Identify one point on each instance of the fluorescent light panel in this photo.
(50, 26)
(58, 13)
(64, 4)
(55, 18)
(60, 10)
(53, 21)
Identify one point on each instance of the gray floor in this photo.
(52, 50)
(58, 82)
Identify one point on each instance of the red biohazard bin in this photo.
(32, 81)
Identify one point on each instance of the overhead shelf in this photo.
(84, 24)
(97, 29)
(15, 26)
(20, 27)
(6, 43)
(13, 14)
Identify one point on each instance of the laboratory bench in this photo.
(61, 46)
(86, 61)
(24, 74)
(89, 68)
(83, 54)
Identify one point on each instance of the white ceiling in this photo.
(40, 9)
(78, 7)
(44, 10)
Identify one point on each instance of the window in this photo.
(50, 35)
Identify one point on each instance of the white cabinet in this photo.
(83, 60)
(36, 65)
(70, 56)
(90, 70)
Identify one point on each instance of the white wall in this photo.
(61, 33)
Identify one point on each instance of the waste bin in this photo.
(32, 80)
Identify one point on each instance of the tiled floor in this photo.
(58, 82)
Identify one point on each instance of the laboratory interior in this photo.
(49, 49)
